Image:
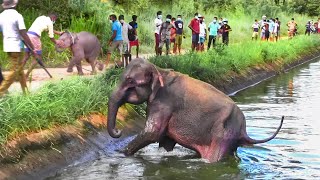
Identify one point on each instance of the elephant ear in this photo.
(157, 82)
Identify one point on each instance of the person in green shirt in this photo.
(213, 29)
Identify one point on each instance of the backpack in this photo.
(131, 34)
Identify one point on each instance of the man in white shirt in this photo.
(42, 23)
(203, 33)
(255, 29)
(158, 23)
(126, 54)
(13, 29)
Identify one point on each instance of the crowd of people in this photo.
(172, 31)
(270, 28)
(124, 37)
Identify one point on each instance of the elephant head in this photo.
(139, 83)
(66, 40)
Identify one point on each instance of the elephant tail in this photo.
(246, 140)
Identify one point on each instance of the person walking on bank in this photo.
(179, 32)
(42, 23)
(133, 35)
(195, 27)
(13, 29)
(213, 29)
(158, 23)
(225, 28)
(116, 38)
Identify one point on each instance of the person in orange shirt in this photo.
(292, 26)
(173, 35)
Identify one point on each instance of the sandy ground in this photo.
(39, 77)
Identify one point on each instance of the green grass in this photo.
(56, 103)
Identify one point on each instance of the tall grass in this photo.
(56, 103)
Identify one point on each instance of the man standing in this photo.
(262, 22)
(133, 35)
(195, 27)
(165, 32)
(173, 34)
(308, 28)
(255, 29)
(179, 32)
(213, 29)
(278, 24)
(225, 28)
(126, 56)
(42, 23)
(276, 30)
(13, 29)
(158, 23)
(203, 33)
(292, 25)
(116, 38)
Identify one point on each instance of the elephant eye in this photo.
(130, 80)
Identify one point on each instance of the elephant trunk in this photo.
(115, 101)
(59, 49)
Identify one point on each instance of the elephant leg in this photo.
(156, 126)
(71, 64)
(167, 143)
(79, 67)
(93, 66)
(218, 149)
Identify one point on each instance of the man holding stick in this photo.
(13, 29)
(42, 23)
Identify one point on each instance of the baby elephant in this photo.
(84, 45)
(180, 110)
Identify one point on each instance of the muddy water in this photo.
(294, 154)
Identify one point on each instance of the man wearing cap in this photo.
(42, 23)
(13, 29)
(225, 29)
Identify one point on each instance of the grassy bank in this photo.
(55, 104)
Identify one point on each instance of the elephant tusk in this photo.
(161, 80)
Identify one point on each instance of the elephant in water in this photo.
(84, 45)
(180, 110)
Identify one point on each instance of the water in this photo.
(294, 154)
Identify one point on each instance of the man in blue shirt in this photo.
(116, 38)
(213, 29)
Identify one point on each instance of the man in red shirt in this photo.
(195, 27)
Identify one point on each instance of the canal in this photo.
(293, 154)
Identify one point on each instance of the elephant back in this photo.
(90, 43)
